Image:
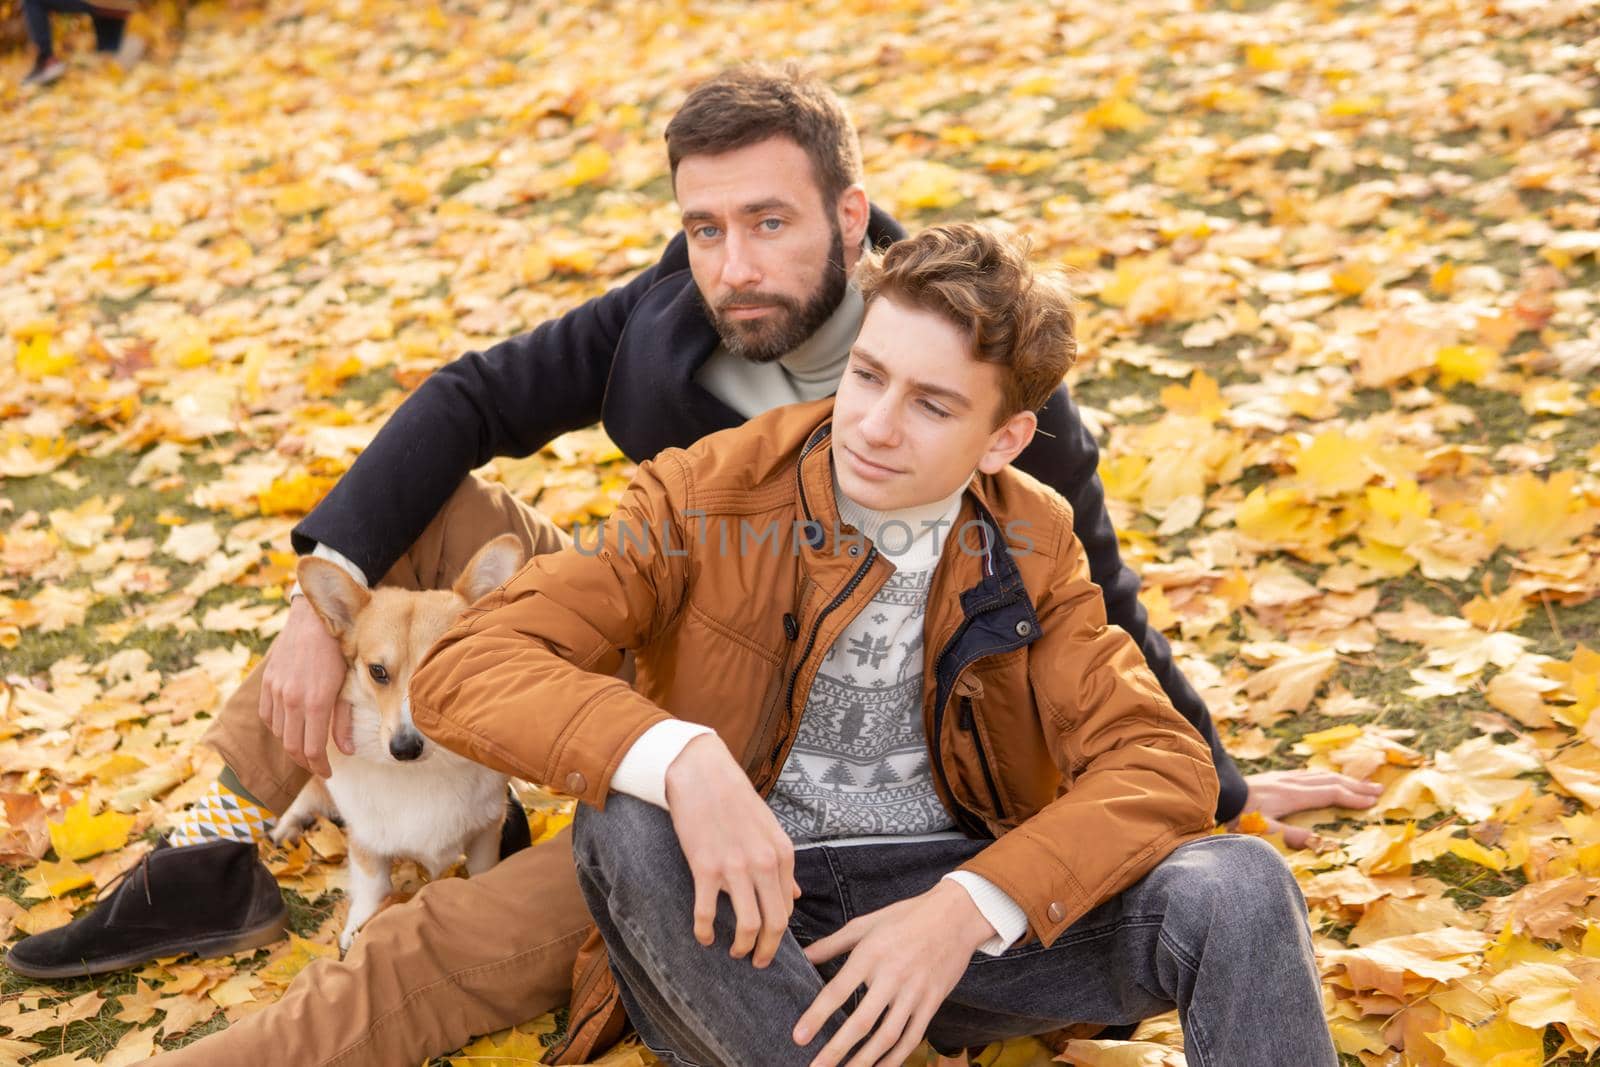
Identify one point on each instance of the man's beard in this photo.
(783, 329)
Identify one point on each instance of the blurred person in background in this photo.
(111, 39)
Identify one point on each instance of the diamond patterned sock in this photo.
(221, 813)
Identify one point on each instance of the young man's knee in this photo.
(629, 834)
(1234, 874)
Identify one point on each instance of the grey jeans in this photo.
(1218, 930)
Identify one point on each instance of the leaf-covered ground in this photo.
(1338, 264)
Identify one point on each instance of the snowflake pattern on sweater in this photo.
(859, 765)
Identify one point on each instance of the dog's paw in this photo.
(347, 937)
(288, 831)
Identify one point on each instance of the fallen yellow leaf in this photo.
(80, 835)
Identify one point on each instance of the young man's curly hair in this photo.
(1017, 318)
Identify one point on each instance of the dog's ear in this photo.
(336, 597)
(493, 564)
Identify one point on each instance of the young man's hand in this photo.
(300, 690)
(734, 845)
(909, 955)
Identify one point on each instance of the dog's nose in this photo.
(406, 746)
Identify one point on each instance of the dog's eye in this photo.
(379, 674)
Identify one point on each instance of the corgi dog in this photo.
(400, 796)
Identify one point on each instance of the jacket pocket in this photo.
(969, 723)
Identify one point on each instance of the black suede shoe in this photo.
(210, 899)
(514, 835)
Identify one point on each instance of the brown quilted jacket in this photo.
(728, 571)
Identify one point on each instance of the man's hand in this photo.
(734, 845)
(909, 955)
(300, 690)
(1275, 794)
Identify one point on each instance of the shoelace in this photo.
(143, 866)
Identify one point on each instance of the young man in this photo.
(903, 737)
(747, 309)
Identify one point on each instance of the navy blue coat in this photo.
(627, 359)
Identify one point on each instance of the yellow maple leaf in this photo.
(298, 198)
(1443, 280)
(55, 879)
(1580, 680)
(1493, 858)
(324, 379)
(1283, 518)
(588, 164)
(1200, 397)
(1497, 1043)
(1398, 515)
(1353, 279)
(1577, 772)
(1496, 612)
(1534, 513)
(931, 186)
(300, 954)
(1131, 273)
(1117, 112)
(1262, 57)
(1552, 397)
(519, 1045)
(294, 495)
(1353, 106)
(1332, 464)
(80, 835)
(35, 361)
(1465, 363)
(1124, 477)
(1158, 608)
(1330, 739)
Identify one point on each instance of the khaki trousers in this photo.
(464, 956)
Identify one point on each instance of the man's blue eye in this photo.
(771, 225)
(935, 410)
(706, 232)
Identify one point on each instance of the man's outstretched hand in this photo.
(909, 955)
(734, 845)
(300, 690)
(1275, 794)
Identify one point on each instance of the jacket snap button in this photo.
(1056, 912)
(1024, 628)
(855, 550)
(577, 783)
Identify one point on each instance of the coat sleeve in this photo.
(508, 400)
(1065, 457)
(523, 682)
(1139, 779)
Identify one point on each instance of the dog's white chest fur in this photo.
(424, 811)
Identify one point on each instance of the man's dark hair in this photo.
(753, 103)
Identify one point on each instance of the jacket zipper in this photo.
(811, 641)
(970, 722)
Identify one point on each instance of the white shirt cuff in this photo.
(643, 770)
(333, 555)
(1001, 912)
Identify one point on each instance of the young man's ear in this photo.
(852, 211)
(1008, 441)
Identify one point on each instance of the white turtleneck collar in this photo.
(911, 538)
